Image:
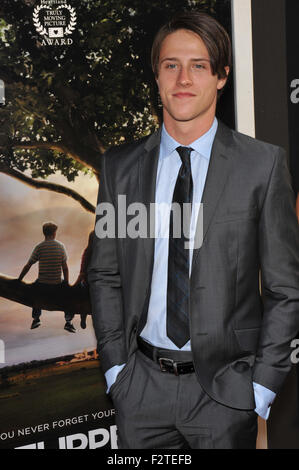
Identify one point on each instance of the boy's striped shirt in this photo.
(50, 254)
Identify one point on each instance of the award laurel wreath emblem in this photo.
(43, 31)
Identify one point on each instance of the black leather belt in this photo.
(167, 364)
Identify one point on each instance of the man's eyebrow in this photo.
(199, 59)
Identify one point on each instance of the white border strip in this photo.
(243, 66)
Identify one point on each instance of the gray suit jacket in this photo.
(249, 227)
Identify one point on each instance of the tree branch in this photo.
(38, 184)
(73, 299)
(59, 146)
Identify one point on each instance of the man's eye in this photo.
(199, 66)
(171, 66)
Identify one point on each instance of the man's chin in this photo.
(183, 117)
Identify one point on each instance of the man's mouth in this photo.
(183, 95)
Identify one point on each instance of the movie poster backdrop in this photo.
(75, 78)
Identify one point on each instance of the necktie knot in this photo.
(184, 153)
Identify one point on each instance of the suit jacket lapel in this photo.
(148, 165)
(218, 172)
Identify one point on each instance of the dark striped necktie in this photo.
(178, 257)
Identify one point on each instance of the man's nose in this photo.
(184, 77)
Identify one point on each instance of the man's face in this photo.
(187, 87)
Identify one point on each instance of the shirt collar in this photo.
(203, 145)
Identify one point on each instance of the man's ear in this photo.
(222, 81)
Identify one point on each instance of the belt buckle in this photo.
(169, 362)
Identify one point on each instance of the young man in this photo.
(190, 349)
(52, 259)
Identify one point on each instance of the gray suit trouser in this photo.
(159, 410)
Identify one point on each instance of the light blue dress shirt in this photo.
(154, 331)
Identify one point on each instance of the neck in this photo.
(186, 132)
(50, 237)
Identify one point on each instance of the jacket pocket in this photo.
(238, 214)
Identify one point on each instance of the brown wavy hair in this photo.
(212, 33)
